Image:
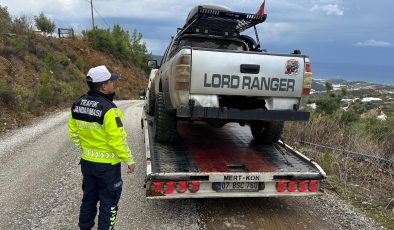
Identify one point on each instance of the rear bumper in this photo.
(236, 114)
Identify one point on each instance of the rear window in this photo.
(211, 43)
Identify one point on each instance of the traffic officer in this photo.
(95, 126)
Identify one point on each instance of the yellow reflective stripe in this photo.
(112, 218)
(87, 125)
(95, 154)
(117, 136)
(116, 112)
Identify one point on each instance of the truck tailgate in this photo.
(222, 72)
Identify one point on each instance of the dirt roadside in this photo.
(47, 195)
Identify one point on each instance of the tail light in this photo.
(156, 187)
(313, 186)
(182, 73)
(281, 186)
(292, 186)
(194, 186)
(169, 187)
(302, 186)
(307, 84)
(181, 186)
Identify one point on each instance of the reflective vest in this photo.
(95, 125)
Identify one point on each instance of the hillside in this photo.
(40, 75)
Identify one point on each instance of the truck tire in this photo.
(165, 123)
(151, 103)
(267, 133)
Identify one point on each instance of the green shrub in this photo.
(375, 128)
(328, 105)
(22, 99)
(73, 74)
(49, 60)
(7, 95)
(44, 24)
(71, 55)
(359, 107)
(348, 117)
(22, 24)
(101, 39)
(119, 44)
(62, 59)
(65, 93)
(38, 50)
(80, 64)
(78, 89)
(326, 161)
(19, 43)
(5, 20)
(44, 94)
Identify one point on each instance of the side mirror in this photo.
(152, 64)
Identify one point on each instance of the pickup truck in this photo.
(211, 72)
(210, 77)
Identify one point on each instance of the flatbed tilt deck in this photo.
(209, 162)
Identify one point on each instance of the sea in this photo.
(380, 74)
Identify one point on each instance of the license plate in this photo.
(239, 187)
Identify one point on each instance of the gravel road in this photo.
(40, 188)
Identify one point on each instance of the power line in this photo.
(98, 13)
(101, 17)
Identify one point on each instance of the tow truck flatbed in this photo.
(225, 162)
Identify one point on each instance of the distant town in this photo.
(369, 99)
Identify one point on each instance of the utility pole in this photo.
(91, 8)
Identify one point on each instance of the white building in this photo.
(369, 99)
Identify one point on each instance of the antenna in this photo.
(257, 37)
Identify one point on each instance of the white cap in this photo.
(100, 74)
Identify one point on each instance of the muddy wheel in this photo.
(165, 123)
(151, 103)
(267, 133)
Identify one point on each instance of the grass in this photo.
(366, 184)
(355, 195)
(7, 95)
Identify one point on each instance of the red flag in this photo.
(260, 12)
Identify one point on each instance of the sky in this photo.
(348, 39)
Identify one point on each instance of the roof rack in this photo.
(220, 22)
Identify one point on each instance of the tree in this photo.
(44, 24)
(343, 91)
(139, 53)
(115, 42)
(5, 20)
(328, 87)
(122, 47)
(22, 24)
(100, 39)
(328, 105)
(119, 44)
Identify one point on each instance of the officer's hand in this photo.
(131, 168)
